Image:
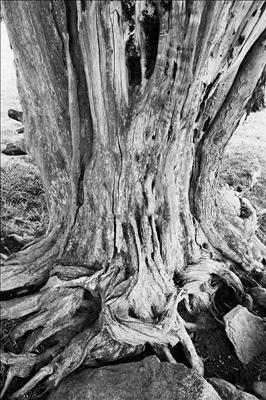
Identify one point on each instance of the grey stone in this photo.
(260, 389)
(17, 148)
(227, 391)
(246, 332)
(20, 130)
(259, 295)
(148, 379)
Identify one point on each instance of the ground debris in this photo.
(259, 295)
(227, 391)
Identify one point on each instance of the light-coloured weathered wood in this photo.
(130, 172)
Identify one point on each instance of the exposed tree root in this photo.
(85, 317)
(197, 281)
(231, 233)
(237, 223)
(21, 365)
(81, 336)
(31, 266)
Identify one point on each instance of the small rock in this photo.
(20, 130)
(17, 148)
(143, 380)
(246, 332)
(259, 295)
(14, 114)
(3, 257)
(227, 391)
(260, 389)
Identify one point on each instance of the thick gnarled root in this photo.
(201, 287)
(69, 352)
(231, 231)
(21, 365)
(164, 334)
(68, 312)
(91, 347)
(58, 312)
(64, 363)
(237, 226)
(113, 336)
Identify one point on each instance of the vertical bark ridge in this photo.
(84, 133)
(51, 68)
(225, 68)
(140, 36)
(119, 70)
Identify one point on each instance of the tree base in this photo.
(96, 332)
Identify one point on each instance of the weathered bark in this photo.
(257, 100)
(138, 220)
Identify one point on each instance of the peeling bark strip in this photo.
(135, 102)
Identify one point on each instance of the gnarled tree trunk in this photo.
(128, 107)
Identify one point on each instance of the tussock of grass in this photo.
(237, 171)
(23, 205)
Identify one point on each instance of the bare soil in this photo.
(221, 361)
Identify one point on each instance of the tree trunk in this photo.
(257, 100)
(127, 111)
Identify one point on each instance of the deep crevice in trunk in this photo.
(151, 30)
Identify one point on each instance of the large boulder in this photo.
(148, 379)
(246, 331)
(227, 391)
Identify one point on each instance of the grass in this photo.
(245, 159)
(238, 169)
(23, 205)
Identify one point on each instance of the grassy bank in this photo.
(23, 205)
(244, 163)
